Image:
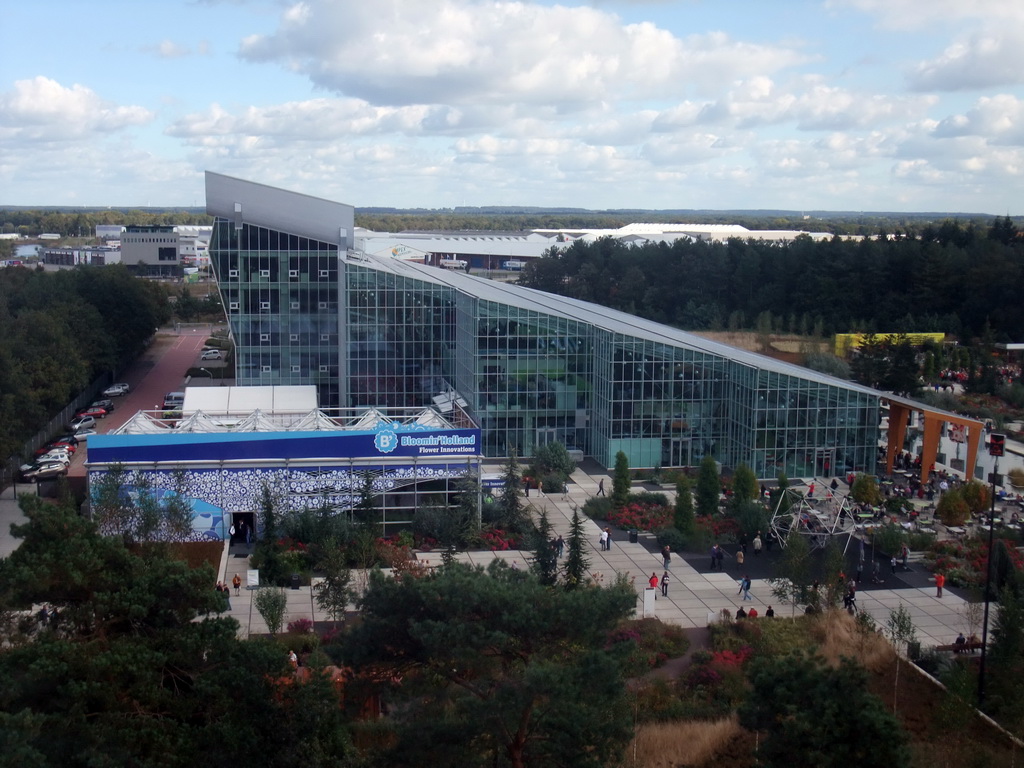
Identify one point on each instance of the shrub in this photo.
(889, 539)
(650, 498)
(300, 626)
(553, 482)
(673, 538)
(597, 507)
(952, 509)
(1016, 476)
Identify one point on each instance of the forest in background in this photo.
(81, 222)
(955, 278)
(61, 330)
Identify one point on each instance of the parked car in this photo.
(96, 413)
(30, 473)
(82, 422)
(69, 438)
(105, 404)
(55, 457)
(210, 354)
(85, 434)
(116, 390)
(55, 445)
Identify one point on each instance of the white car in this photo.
(116, 390)
(210, 354)
(83, 435)
(55, 457)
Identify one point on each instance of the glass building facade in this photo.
(526, 367)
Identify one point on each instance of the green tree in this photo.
(803, 707)
(545, 558)
(684, 519)
(138, 669)
(976, 494)
(900, 629)
(511, 511)
(334, 591)
(510, 672)
(952, 509)
(709, 487)
(272, 605)
(792, 580)
(621, 481)
(744, 484)
(576, 562)
(865, 490)
(553, 458)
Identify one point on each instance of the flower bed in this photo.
(718, 528)
(965, 563)
(641, 516)
(498, 540)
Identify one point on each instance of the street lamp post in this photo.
(995, 449)
(206, 372)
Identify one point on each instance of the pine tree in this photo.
(545, 559)
(684, 520)
(621, 482)
(510, 504)
(744, 484)
(576, 563)
(709, 488)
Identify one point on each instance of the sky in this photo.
(853, 105)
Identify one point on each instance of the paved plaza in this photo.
(695, 595)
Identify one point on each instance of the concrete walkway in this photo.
(694, 597)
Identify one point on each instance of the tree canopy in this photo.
(517, 671)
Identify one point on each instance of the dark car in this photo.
(45, 471)
(106, 405)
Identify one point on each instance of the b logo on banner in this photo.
(385, 441)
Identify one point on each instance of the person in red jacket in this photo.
(940, 582)
(653, 581)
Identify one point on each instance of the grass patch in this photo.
(666, 745)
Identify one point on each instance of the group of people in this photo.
(741, 613)
(606, 539)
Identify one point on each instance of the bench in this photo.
(960, 648)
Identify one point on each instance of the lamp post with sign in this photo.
(996, 447)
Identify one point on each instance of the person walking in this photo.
(604, 539)
(664, 584)
(770, 613)
(940, 582)
(608, 538)
(757, 544)
(666, 555)
(906, 556)
(600, 487)
(714, 556)
(739, 557)
(559, 546)
(237, 583)
(745, 588)
(721, 558)
(892, 565)
(653, 581)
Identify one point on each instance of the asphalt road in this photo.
(161, 369)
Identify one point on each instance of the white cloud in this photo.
(999, 118)
(912, 15)
(981, 60)
(42, 109)
(463, 52)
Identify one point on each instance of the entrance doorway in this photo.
(679, 454)
(824, 462)
(244, 526)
